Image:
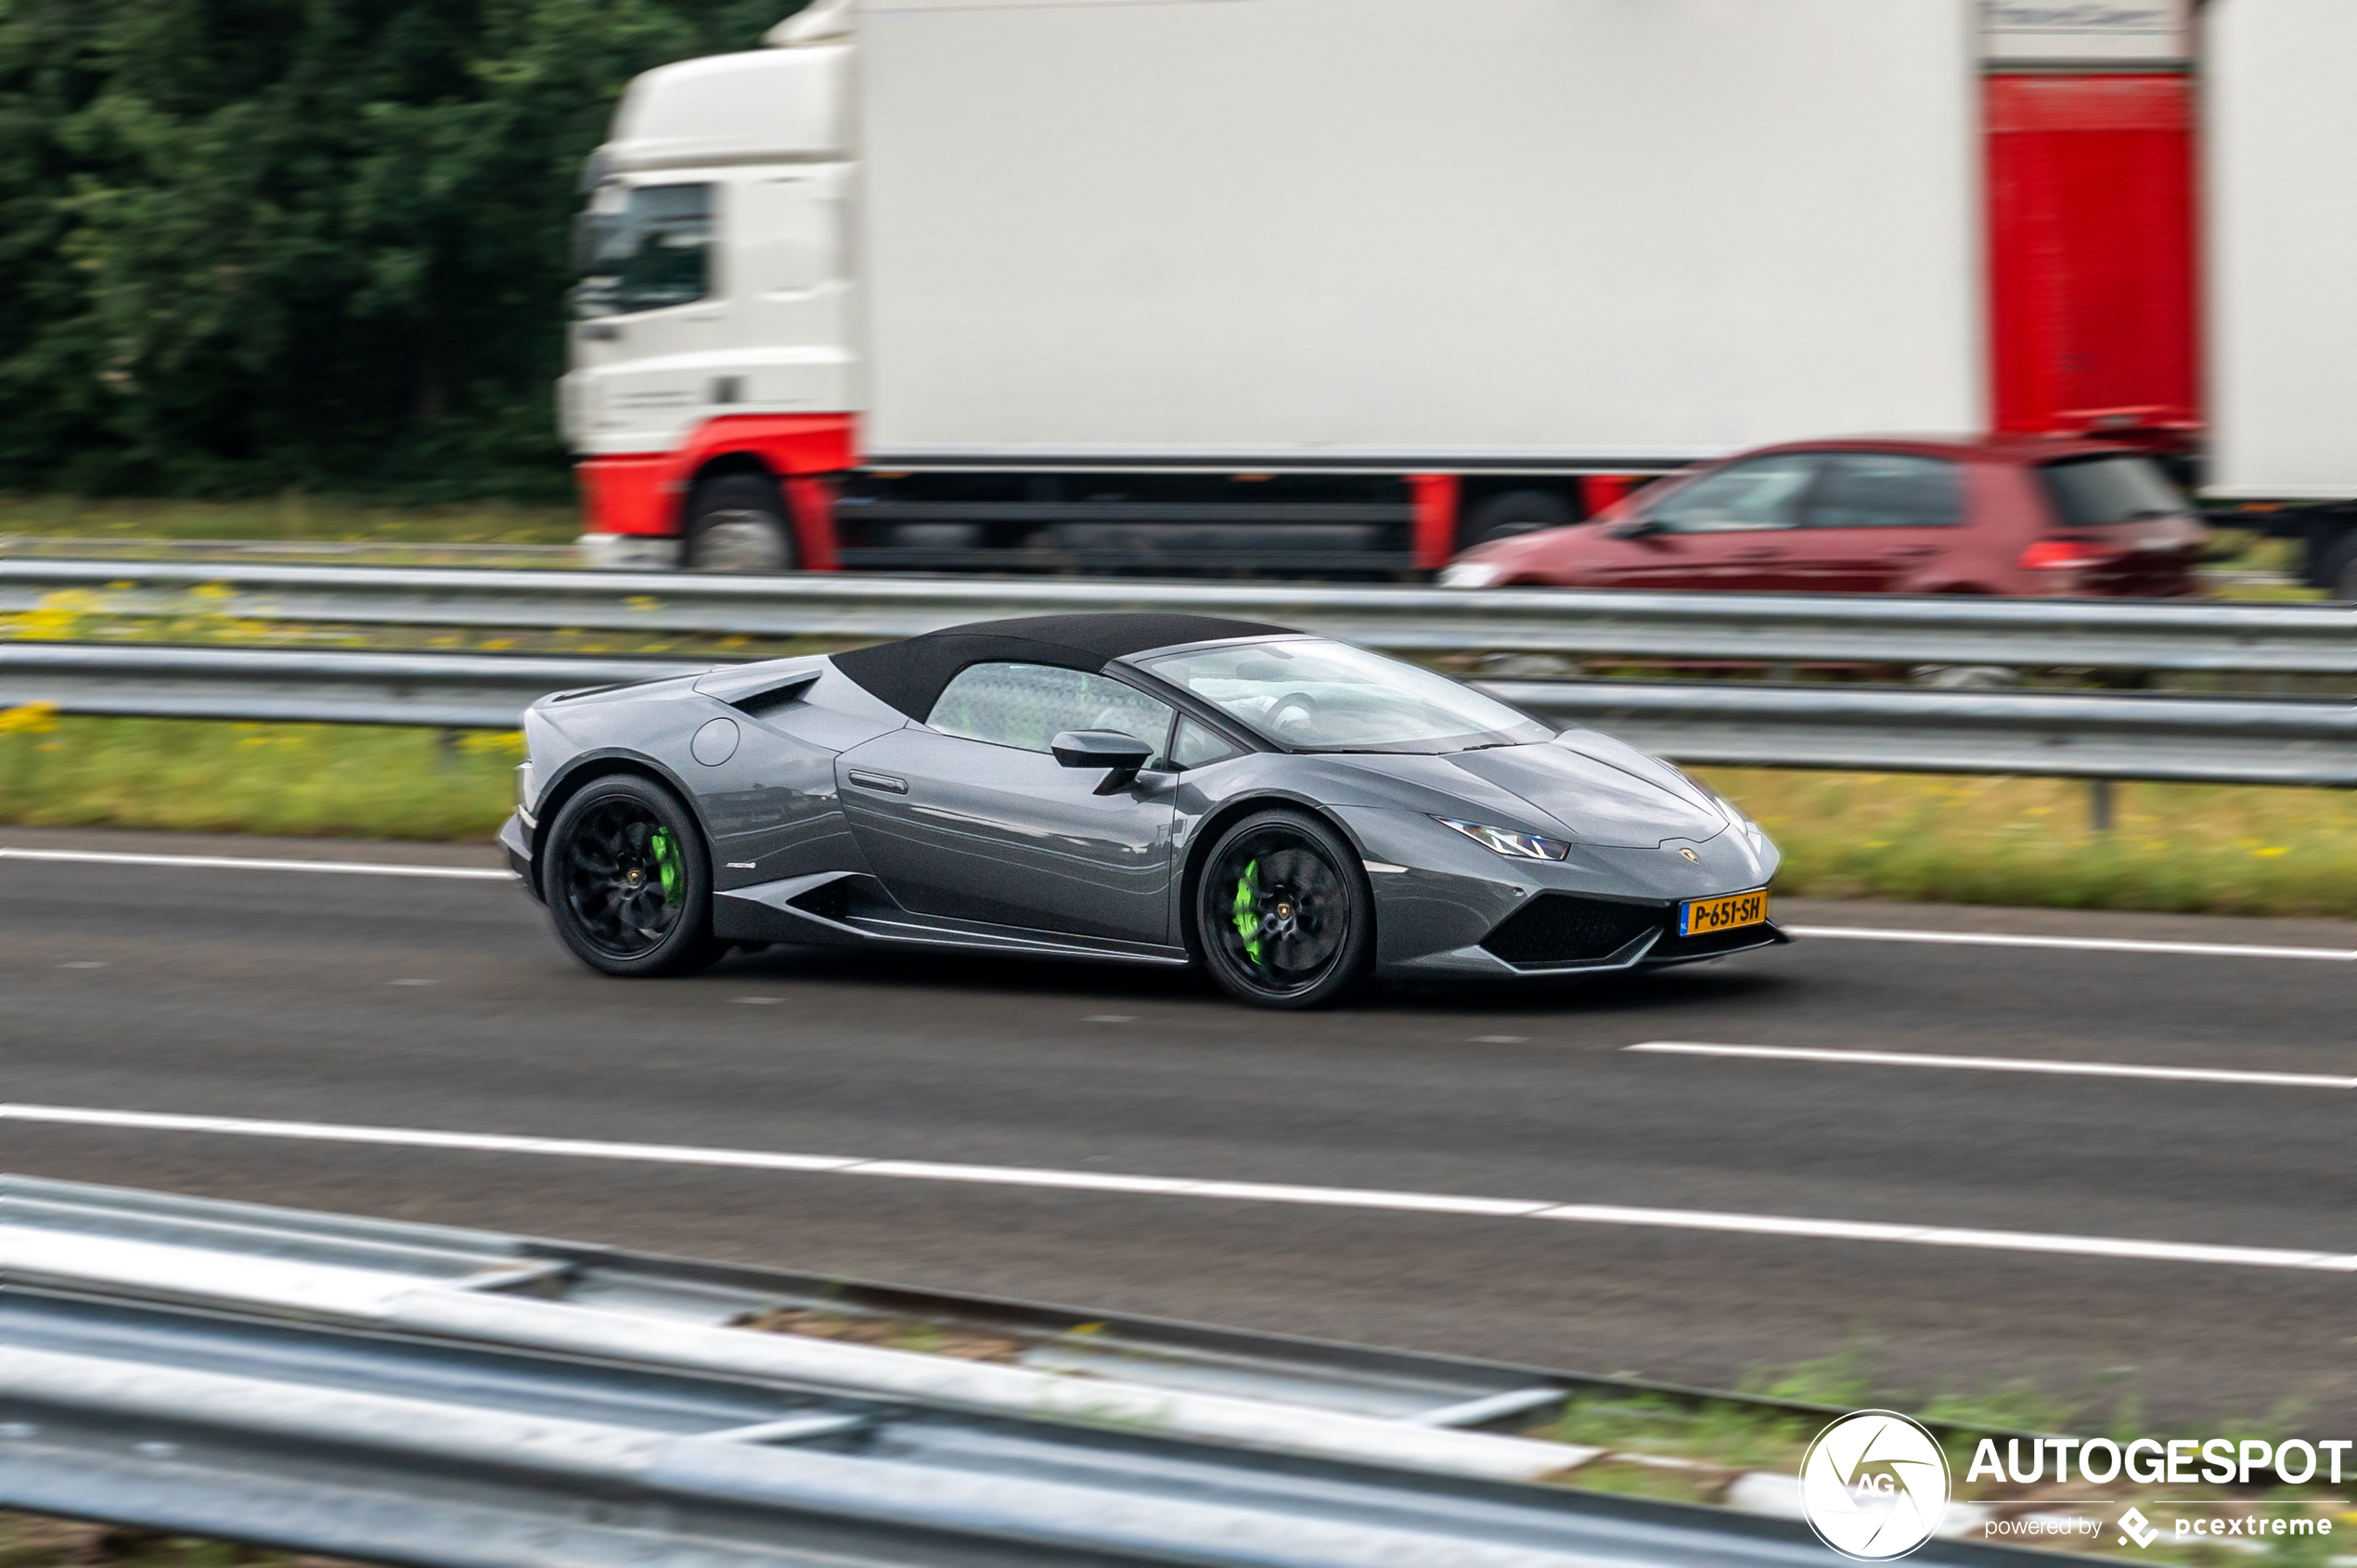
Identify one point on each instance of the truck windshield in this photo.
(645, 250)
(1313, 695)
(2090, 492)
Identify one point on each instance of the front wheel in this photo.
(737, 524)
(1282, 912)
(627, 880)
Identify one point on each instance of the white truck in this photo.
(2282, 176)
(1287, 284)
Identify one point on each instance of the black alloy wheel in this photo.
(1282, 913)
(627, 880)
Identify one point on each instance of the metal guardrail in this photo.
(2041, 734)
(293, 1407)
(2311, 639)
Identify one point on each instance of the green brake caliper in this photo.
(1248, 909)
(667, 862)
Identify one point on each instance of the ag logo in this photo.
(1873, 1485)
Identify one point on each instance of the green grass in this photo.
(2190, 848)
(1970, 841)
(191, 775)
(293, 517)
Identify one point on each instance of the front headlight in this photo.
(1505, 841)
(1471, 574)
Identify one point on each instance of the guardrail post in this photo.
(2099, 804)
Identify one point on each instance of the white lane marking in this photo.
(1234, 1192)
(230, 863)
(2076, 944)
(1853, 934)
(1999, 1064)
(410, 982)
(1111, 1018)
(85, 964)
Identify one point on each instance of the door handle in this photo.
(1760, 552)
(1912, 552)
(883, 781)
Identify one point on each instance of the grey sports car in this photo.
(1292, 813)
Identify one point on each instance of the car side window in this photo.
(1744, 499)
(1196, 744)
(1028, 705)
(1886, 490)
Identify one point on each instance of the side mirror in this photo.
(1121, 755)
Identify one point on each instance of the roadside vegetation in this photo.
(2185, 848)
(290, 518)
(2188, 848)
(27, 1541)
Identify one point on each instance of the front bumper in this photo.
(515, 839)
(1444, 906)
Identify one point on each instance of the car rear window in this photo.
(2090, 492)
(1886, 490)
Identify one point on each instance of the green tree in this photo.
(252, 244)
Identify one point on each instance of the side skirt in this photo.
(855, 909)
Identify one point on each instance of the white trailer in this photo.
(961, 282)
(2281, 170)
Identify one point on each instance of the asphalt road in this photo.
(365, 1001)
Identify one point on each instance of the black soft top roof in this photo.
(911, 674)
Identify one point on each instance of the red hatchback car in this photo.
(1996, 516)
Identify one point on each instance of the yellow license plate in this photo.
(1697, 916)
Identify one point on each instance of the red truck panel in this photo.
(2092, 291)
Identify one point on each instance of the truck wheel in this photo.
(1515, 512)
(737, 524)
(2343, 581)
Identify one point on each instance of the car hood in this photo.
(1592, 788)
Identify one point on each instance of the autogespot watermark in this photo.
(1874, 1486)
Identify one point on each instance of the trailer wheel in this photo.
(737, 524)
(1515, 512)
(2340, 577)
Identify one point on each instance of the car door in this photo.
(970, 816)
(1730, 529)
(1873, 519)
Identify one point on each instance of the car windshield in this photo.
(1313, 695)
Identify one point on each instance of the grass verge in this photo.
(305, 780)
(2194, 849)
(2187, 848)
(293, 517)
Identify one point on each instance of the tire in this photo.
(2342, 582)
(1283, 915)
(1515, 513)
(737, 524)
(629, 881)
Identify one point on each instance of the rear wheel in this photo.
(627, 880)
(737, 524)
(1282, 912)
(1514, 514)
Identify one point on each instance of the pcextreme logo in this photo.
(1873, 1485)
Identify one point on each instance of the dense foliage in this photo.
(248, 245)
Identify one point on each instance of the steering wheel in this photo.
(1294, 712)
